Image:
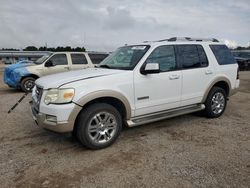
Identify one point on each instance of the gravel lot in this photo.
(187, 151)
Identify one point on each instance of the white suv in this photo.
(137, 84)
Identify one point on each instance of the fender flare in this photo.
(216, 80)
(106, 93)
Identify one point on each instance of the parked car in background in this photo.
(24, 62)
(96, 57)
(243, 59)
(7, 62)
(23, 75)
(137, 84)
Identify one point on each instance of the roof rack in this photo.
(189, 39)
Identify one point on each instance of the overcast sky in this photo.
(106, 24)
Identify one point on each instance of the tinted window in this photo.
(165, 56)
(97, 58)
(78, 59)
(222, 54)
(189, 56)
(202, 56)
(59, 59)
(241, 54)
(125, 58)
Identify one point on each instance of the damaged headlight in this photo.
(59, 96)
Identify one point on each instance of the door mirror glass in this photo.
(151, 68)
(49, 63)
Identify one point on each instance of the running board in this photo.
(149, 118)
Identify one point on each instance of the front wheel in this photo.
(98, 126)
(27, 84)
(216, 102)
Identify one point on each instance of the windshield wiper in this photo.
(105, 66)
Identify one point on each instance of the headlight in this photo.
(59, 96)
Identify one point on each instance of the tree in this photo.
(42, 48)
(67, 48)
(52, 49)
(30, 48)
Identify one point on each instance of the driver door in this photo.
(158, 91)
(60, 64)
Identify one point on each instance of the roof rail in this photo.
(189, 39)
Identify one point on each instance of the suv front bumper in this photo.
(45, 121)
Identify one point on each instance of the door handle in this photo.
(174, 77)
(208, 72)
(66, 68)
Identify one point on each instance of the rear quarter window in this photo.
(222, 54)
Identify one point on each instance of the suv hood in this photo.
(18, 65)
(57, 80)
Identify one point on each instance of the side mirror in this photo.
(49, 63)
(150, 68)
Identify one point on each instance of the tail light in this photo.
(238, 74)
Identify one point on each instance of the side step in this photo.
(149, 118)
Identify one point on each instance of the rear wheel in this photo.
(27, 84)
(216, 102)
(98, 126)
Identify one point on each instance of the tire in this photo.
(93, 131)
(27, 84)
(216, 103)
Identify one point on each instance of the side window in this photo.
(59, 59)
(188, 54)
(78, 59)
(97, 58)
(165, 56)
(222, 54)
(202, 56)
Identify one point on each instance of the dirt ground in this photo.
(187, 151)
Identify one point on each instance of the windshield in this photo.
(125, 58)
(42, 59)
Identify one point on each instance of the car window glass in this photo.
(78, 59)
(59, 59)
(222, 54)
(189, 56)
(97, 58)
(241, 54)
(165, 56)
(125, 58)
(202, 56)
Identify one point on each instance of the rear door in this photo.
(78, 61)
(196, 71)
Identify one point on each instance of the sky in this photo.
(104, 25)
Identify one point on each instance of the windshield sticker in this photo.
(138, 47)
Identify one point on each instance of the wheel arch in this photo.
(114, 98)
(221, 82)
(29, 75)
